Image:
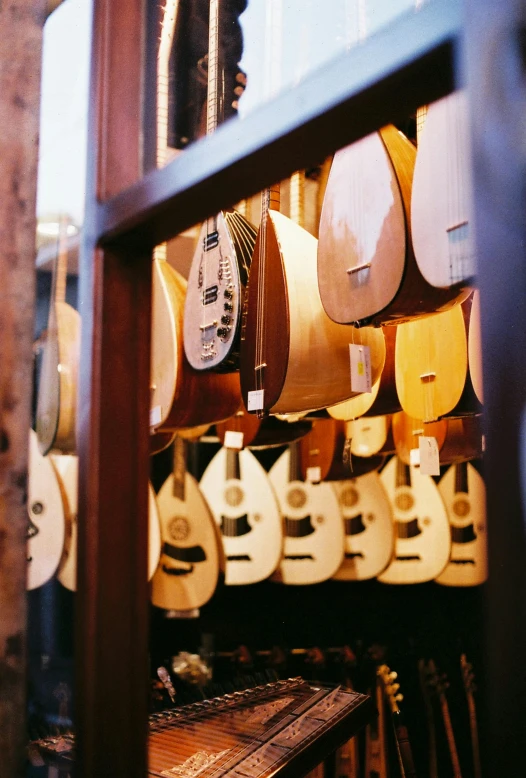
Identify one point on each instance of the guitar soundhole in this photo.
(349, 497)
(404, 501)
(234, 496)
(461, 507)
(296, 498)
(179, 528)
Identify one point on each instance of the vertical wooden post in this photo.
(115, 287)
(20, 63)
(495, 34)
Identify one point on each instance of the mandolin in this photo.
(313, 545)
(367, 271)
(464, 495)
(219, 270)
(57, 391)
(431, 363)
(293, 357)
(468, 679)
(442, 200)
(244, 507)
(46, 522)
(180, 396)
(422, 536)
(368, 522)
(188, 570)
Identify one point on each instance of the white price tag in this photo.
(155, 416)
(255, 400)
(360, 368)
(414, 457)
(233, 439)
(429, 457)
(314, 475)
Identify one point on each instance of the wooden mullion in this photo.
(113, 430)
(385, 78)
(496, 79)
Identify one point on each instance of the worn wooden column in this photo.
(20, 64)
(496, 45)
(115, 285)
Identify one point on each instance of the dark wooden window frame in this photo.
(411, 63)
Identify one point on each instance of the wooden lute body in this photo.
(464, 495)
(368, 522)
(57, 392)
(46, 522)
(245, 509)
(422, 536)
(290, 348)
(313, 543)
(188, 570)
(366, 267)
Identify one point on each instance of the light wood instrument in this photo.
(407, 432)
(422, 536)
(468, 679)
(57, 391)
(475, 347)
(188, 571)
(325, 453)
(368, 435)
(245, 508)
(219, 269)
(180, 396)
(262, 433)
(368, 521)
(464, 495)
(46, 523)
(313, 545)
(366, 267)
(438, 683)
(291, 351)
(442, 200)
(431, 364)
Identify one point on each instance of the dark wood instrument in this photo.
(262, 433)
(366, 267)
(407, 431)
(439, 684)
(391, 690)
(468, 678)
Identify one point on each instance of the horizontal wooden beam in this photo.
(409, 63)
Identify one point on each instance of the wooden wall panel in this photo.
(20, 57)
(497, 80)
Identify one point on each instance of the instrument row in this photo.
(396, 525)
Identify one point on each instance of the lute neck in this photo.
(214, 94)
(403, 473)
(179, 467)
(61, 267)
(233, 470)
(461, 477)
(297, 198)
(295, 462)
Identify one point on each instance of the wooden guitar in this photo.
(188, 571)
(57, 392)
(464, 495)
(219, 270)
(292, 354)
(244, 507)
(180, 396)
(468, 679)
(366, 267)
(313, 546)
(368, 522)
(422, 536)
(442, 201)
(46, 522)
(438, 683)
(431, 364)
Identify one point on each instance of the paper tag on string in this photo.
(429, 457)
(313, 475)
(233, 439)
(414, 457)
(360, 368)
(255, 400)
(155, 416)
